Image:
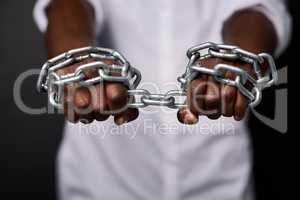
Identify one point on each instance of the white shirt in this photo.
(156, 157)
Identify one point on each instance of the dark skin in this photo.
(71, 26)
(220, 100)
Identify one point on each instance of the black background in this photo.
(28, 143)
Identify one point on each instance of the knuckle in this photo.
(211, 100)
(82, 98)
(81, 101)
(117, 94)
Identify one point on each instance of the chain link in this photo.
(53, 83)
(173, 99)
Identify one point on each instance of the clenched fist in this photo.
(89, 103)
(212, 99)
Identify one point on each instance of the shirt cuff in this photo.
(40, 17)
(275, 11)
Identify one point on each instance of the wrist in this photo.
(58, 45)
(70, 26)
(250, 30)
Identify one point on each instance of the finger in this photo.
(196, 94)
(82, 97)
(240, 107)
(69, 111)
(190, 115)
(212, 99)
(185, 116)
(127, 116)
(83, 104)
(228, 97)
(99, 102)
(116, 97)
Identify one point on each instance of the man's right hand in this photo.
(95, 102)
(71, 25)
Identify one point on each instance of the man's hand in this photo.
(71, 25)
(212, 99)
(207, 97)
(86, 104)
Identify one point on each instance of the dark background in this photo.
(28, 143)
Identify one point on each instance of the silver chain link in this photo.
(53, 83)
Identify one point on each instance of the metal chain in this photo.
(49, 80)
(143, 98)
(250, 87)
(121, 71)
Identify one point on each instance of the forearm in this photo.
(250, 30)
(70, 25)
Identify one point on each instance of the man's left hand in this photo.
(208, 97)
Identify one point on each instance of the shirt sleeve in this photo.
(274, 10)
(40, 17)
